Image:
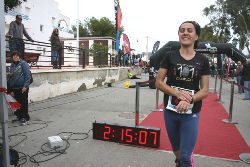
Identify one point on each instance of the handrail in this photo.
(70, 57)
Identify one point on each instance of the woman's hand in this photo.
(183, 106)
(24, 89)
(184, 96)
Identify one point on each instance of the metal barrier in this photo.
(137, 100)
(245, 157)
(157, 99)
(220, 89)
(230, 118)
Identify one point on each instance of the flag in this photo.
(155, 47)
(126, 44)
(118, 18)
(118, 14)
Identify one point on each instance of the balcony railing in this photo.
(38, 55)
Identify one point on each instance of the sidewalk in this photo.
(76, 112)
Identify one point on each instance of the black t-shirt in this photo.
(185, 74)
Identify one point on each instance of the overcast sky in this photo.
(155, 19)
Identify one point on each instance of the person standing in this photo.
(18, 86)
(238, 74)
(212, 68)
(15, 35)
(187, 84)
(56, 48)
(246, 78)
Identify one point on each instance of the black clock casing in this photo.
(134, 135)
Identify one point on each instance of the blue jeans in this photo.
(182, 131)
(240, 89)
(54, 56)
(247, 92)
(17, 45)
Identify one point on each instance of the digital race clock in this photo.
(138, 135)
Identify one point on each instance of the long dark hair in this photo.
(197, 31)
(15, 53)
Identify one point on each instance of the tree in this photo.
(11, 4)
(207, 34)
(100, 28)
(83, 32)
(230, 21)
(97, 28)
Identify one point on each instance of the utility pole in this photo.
(3, 104)
(77, 29)
(147, 49)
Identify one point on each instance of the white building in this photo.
(40, 17)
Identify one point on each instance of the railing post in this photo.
(137, 98)
(215, 84)
(220, 88)
(157, 99)
(83, 58)
(110, 60)
(229, 120)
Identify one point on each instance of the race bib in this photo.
(173, 101)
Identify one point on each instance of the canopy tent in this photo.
(203, 47)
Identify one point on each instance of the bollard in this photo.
(215, 84)
(137, 103)
(157, 99)
(220, 88)
(229, 120)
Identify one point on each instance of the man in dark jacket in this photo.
(18, 86)
(246, 78)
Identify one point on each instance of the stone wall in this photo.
(48, 84)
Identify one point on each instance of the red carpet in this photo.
(215, 138)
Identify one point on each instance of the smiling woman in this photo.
(187, 84)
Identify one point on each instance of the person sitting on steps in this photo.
(132, 76)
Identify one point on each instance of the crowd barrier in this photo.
(245, 157)
(232, 82)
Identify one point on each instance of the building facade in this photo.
(40, 17)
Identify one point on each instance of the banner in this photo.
(118, 18)
(126, 44)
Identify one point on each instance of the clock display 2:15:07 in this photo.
(138, 135)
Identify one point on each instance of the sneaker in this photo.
(177, 162)
(23, 122)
